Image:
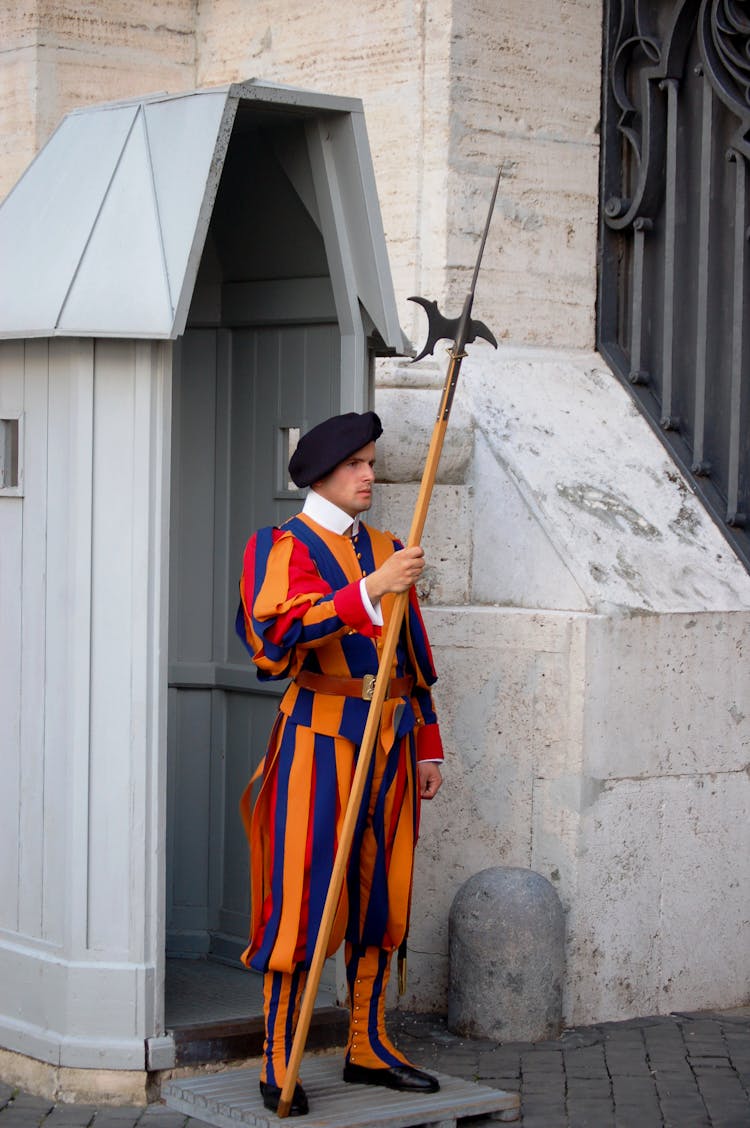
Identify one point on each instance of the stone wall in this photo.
(396, 58)
(590, 628)
(589, 623)
(452, 92)
(525, 81)
(57, 56)
(601, 753)
(659, 908)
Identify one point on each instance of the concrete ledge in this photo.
(75, 1086)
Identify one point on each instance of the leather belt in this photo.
(351, 687)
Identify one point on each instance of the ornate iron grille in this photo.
(673, 289)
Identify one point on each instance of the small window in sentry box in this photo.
(10, 456)
(287, 438)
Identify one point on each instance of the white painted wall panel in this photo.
(111, 656)
(74, 366)
(56, 701)
(82, 1013)
(81, 946)
(11, 546)
(149, 646)
(31, 826)
(121, 634)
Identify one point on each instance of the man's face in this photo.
(350, 485)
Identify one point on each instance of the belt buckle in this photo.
(368, 687)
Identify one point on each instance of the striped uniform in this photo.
(301, 609)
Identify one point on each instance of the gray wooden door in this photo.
(238, 396)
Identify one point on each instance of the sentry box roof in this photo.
(103, 234)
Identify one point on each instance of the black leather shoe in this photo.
(405, 1078)
(272, 1095)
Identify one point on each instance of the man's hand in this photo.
(430, 778)
(397, 574)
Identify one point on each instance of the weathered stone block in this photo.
(408, 416)
(446, 539)
(662, 861)
(507, 957)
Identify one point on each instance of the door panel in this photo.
(249, 718)
(235, 394)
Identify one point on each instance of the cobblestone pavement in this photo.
(681, 1071)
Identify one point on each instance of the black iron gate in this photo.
(674, 286)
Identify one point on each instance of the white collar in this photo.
(325, 513)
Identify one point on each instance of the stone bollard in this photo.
(506, 956)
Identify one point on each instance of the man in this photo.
(316, 596)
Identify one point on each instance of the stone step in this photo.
(242, 1038)
(232, 1098)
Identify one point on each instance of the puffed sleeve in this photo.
(286, 605)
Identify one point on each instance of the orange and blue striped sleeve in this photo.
(286, 604)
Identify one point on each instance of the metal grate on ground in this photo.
(232, 1098)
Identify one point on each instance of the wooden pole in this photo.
(372, 725)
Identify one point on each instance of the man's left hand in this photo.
(430, 778)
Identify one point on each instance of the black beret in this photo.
(322, 448)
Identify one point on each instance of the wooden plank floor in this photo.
(231, 1098)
